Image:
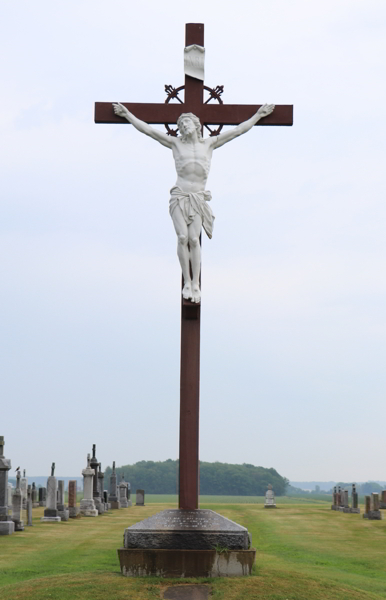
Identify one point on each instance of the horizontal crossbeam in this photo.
(219, 114)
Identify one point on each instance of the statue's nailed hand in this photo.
(265, 110)
(120, 110)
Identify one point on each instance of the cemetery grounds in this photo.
(305, 551)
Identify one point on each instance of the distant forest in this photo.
(217, 479)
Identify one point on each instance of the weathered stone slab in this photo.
(187, 529)
(140, 498)
(185, 563)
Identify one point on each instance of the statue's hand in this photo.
(120, 110)
(265, 110)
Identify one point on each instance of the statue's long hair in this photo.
(196, 122)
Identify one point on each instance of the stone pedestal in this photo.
(87, 505)
(51, 514)
(186, 563)
(7, 526)
(115, 505)
(382, 502)
(182, 543)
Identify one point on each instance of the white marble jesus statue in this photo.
(188, 205)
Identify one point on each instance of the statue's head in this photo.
(188, 122)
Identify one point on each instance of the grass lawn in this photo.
(305, 551)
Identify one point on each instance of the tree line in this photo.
(217, 479)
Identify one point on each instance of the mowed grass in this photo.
(305, 551)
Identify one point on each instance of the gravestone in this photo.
(17, 505)
(10, 492)
(42, 496)
(106, 499)
(113, 496)
(96, 494)
(101, 483)
(344, 502)
(7, 526)
(382, 502)
(372, 511)
(29, 506)
(87, 504)
(23, 487)
(35, 502)
(123, 492)
(51, 514)
(334, 505)
(269, 498)
(62, 509)
(73, 509)
(128, 494)
(354, 500)
(140, 498)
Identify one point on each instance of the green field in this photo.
(305, 551)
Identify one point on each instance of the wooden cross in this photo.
(209, 114)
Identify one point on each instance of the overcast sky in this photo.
(293, 313)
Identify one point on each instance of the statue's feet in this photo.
(187, 291)
(196, 296)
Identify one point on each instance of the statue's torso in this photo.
(192, 162)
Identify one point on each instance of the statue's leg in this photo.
(194, 231)
(182, 249)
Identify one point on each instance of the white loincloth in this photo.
(192, 204)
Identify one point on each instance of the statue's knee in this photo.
(183, 240)
(194, 242)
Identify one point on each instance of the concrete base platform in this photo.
(64, 514)
(269, 505)
(19, 525)
(73, 512)
(178, 529)
(374, 515)
(185, 563)
(50, 519)
(115, 505)
(382, 505)
(7, 527)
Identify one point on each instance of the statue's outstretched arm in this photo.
(143, 127)
(222, 139)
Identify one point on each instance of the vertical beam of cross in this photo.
(189, 463)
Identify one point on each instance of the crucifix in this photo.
(189, 209)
